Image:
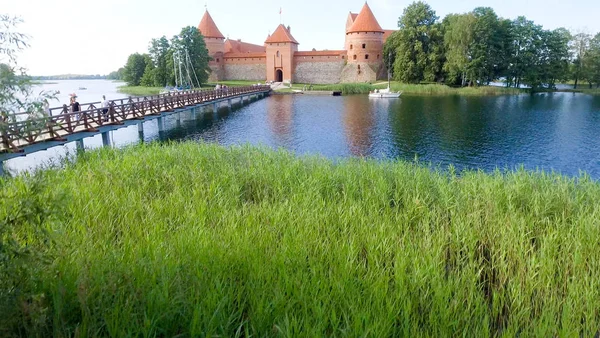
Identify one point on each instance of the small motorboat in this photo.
(82, 88)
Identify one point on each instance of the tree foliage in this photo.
(479, 47)
(134, 69)
(185, 53)
(16, 89)
(416, 46)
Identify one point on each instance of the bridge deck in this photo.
(27, 134)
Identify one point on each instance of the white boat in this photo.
(385, 94)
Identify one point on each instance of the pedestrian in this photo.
(46, 106)
(75, 107)
(105, 105)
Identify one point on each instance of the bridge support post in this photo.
(178, 120)
(161, 124)
(106, 139)
(79, 145)
(193, 113)
(215, 107)
(229, 103)
(141, 131)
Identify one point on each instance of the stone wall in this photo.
(361, 72)
(318, 72)
(216, 73)
(246, 72)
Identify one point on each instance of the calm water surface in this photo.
(550, 131)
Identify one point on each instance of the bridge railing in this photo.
(28, 129)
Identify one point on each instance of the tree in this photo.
(594, 61)
(16, 90)
(158, 50)
(134, 69)
(580, 46)
(458, 37)
(148, 78)
(190, 48)
(116, 75)
(416, 54)
(487, 50)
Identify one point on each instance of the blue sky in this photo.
(95, 37)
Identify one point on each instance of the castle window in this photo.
(354, 57)
(277, 53)
(367, 57)
(364, 45)
(377, 56)
(351, 47)
(217, 60)
(343, 57)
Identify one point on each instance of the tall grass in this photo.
(199, 240)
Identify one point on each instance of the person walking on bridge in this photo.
(105, 105)
(75, 107)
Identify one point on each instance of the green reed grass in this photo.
(200, 240)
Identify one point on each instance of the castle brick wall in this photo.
(246, 71)
(319, 72)
(366, 73)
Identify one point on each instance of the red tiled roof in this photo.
(321, 53)
(353, 15)
(365, 22)
(208, 28)
(244, 55)
(237, 46)
(281, 34)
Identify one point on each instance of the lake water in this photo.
(550, 131)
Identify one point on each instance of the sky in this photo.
(96, 37)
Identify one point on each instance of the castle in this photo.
(279, 59)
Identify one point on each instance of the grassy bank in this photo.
(139, 90)
(198, 240)
(412, 89)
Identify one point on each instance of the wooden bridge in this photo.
(27, 134)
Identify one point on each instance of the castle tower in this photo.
(280, 49)
(364, 38)
(215, 43)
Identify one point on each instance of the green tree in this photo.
(458, 37)
(557, 56)
(134, 69)
(158, 50)
(16, 90)
(580, 46)
(190, 50)
(594, 61)
(487, 50)
(148, 78)
(416, 54)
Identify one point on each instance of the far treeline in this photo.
(479, 47)
(156, 68)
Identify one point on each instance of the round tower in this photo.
(215, 43)
(364, 38)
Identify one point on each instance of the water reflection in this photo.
(358, 124)
(556, 131)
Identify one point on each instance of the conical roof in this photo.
(208, 28)
(365, 22)
(281, 34)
